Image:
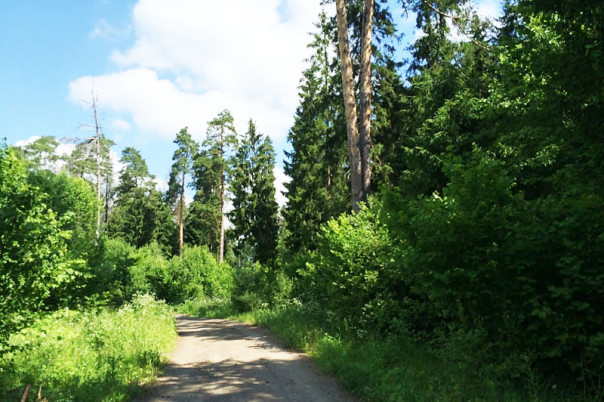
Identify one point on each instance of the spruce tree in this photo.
(140, 216)
(318, 162)
(204, 218)
(254, 214)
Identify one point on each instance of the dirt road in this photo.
(221, 360)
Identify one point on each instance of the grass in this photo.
(89, 356)
(391, 368)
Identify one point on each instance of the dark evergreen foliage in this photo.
(254, 213)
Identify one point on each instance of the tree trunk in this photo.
(181, 223)
(97, 138)
(222, 182)
(365, 98)
(350, 107)
(221, 251)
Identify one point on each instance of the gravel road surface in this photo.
(222, 360)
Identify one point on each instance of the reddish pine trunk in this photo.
(350, 107)
(365, 98)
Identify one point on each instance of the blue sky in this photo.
(43, 46)
(155, 67)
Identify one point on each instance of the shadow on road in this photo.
(222, 360)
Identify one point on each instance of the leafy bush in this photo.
(481, 258)
(349, 274)
(259, 286)
(34, 259)
(111, 283)
(201, 274)
(123, 270)
(89, 356)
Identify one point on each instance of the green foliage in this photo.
(389, 368)
(71, 197)
(317, 165)
(210, 173)
(135, 173)
(42, 153)
(33, 239)
(506, 266)
(89, 356)
(182, 164)
(200, 274)
(74, 200)
(348, 275)
(259, 286)
(141, 217)
(111, 270)
(123, 271)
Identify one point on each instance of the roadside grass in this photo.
(386, 368)
(99, 355)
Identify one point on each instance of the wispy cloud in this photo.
(105, 30)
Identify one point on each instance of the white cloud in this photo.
(192, 59)
(489, 9)
(120, 125)
(280, 179)
(161, 184)
(65, 148)
(24, 143)
(105, 30)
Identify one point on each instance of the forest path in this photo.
(222, 360)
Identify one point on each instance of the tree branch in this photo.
(457, 22)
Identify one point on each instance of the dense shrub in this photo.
(482, 259)
(349, 274)
(34, 260)
(123, 270)
(200, 274)
(259, 286)
(111, 281)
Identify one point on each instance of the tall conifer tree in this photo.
(317, 165)
(181, 168)
(221, 138)
(254, 214)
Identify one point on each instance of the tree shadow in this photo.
(276, 376)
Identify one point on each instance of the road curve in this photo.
(222, 360)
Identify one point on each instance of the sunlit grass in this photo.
(89, 356)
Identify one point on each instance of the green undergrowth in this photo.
(389, 368)
(101, 355)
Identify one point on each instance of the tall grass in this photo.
(89, 356)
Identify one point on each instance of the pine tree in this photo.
(181, 168)
(42, 153)
(135, 173)
(221, 138)
(254, 214)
